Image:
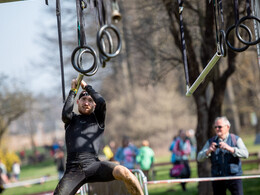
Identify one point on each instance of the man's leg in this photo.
(132, 184)
(235, 186)
(219, 187)
(70, 183)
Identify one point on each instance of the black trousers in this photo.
(234, 186)
(81, 169)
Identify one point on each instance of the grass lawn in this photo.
(33, 189)
(251, 186)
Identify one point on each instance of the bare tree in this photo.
(13, 103)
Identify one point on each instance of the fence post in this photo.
(258, 158)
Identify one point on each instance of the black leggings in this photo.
(79, 173)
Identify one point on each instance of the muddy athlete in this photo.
(83, 133)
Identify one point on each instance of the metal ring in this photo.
(99, 39)
(110, 41)
(234, 48)
(239, 24)
(79, 59)
(102, 58)
(86, 49)
(223, 46)
(93, 69)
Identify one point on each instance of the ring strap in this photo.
(236, 11)
(248, 7)
(183, 44)
(60, 48)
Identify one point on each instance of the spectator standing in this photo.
(22, 154)
(224, 151)
(173, 158)
(108, 150)
(182, 150)
(193, 142)
(54, 146)
(145, 157)
(3, 176)
(60, 162)
(16, 170)
(126, 154)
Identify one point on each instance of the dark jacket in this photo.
(223, 163)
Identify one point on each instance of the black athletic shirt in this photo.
(83, 132)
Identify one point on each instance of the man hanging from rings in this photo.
(83, 133)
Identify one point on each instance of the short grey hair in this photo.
(224, 119)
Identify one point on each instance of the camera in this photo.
(217, 145)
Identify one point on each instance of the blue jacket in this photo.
(223, 163)
(173, 158)
(126, 156)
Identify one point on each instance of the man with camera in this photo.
(224, 150)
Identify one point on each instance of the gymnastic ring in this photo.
(223, 46)
(100, 42)
(110, 41)
(102, 58)
(93, 69)
(237, 31)
(234, 48)
(99, 36)
(79, 60)
(86, 49)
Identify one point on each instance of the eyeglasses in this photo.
(218, 127)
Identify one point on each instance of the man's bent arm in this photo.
(68, 107)
(202, 155)
(100, 109)
(241, 150)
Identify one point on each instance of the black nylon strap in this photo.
(80, 23)
(102, 18)
(215, 18)
(219, 23)
(220, 12)
(248, 7)
(183, 44)
(60, 48)
(236, 11)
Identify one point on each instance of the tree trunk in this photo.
(232, 112)
(126, 63)
(202, 137)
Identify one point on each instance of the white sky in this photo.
(20, 28)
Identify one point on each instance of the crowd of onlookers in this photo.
(130, 155)
(183, 147)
